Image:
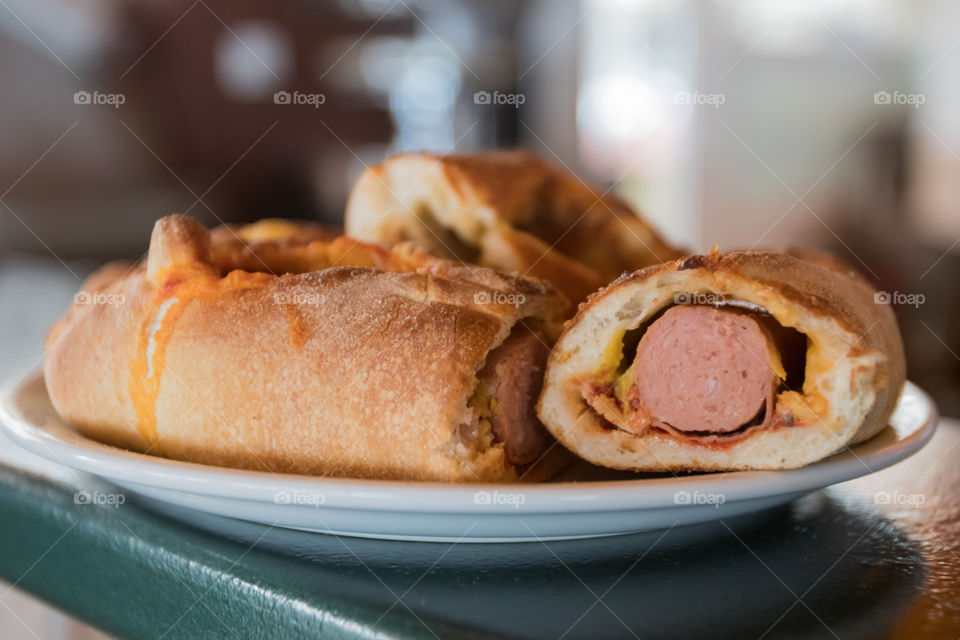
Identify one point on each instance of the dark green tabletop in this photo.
(876, 557)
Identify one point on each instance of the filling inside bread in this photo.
(502, 409)
(710, 374)
(440, 240)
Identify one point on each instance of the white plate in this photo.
(599, 503)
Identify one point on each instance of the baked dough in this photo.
(282, 347)
(508, 210)
(852, 368)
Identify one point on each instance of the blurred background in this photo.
(742, 123)
(738, 123)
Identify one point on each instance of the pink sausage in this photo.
(703, 369)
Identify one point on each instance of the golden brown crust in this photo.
(505, 209)
(360, 366)
(855, 366)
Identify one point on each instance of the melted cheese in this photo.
(296, 328)
(172, 298)
(610, 359)
(774, 362)
(155, 327)
(622, 385)
(800, 408)
(817, 366)
(268, 229)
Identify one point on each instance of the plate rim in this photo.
(90, 456)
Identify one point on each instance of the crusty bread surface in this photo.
(285, 348)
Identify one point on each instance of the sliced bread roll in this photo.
(749, 360)
(282, 347)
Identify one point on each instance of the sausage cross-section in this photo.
(700, 368)
(513, 375)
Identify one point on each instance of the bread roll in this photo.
(749, 360)
(282, 347)
(508, 210)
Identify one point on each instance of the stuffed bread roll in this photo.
(281, 347)
(508, 210)
(749, 360)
